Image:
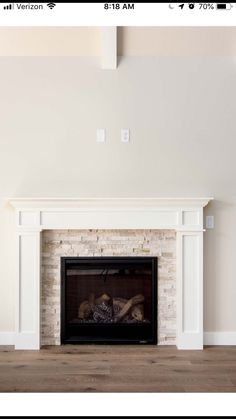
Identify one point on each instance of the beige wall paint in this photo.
(7, 267)
(219, 269)
(182, 41)
(181, 113)
(132, 41)
(40, 41)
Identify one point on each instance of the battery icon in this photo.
(224, 6)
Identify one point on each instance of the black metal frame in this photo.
(152, 339)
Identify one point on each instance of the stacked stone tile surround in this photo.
(58, 243)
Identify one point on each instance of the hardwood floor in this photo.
(118, 369)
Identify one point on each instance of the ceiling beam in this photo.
(109, 47)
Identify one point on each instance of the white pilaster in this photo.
(190, 290)
(28, 291)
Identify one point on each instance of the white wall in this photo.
(181, 113)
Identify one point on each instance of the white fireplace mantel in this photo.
(184, 215)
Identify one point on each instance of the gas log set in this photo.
(109, 300)
(105, 309)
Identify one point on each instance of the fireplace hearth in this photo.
(109, 300)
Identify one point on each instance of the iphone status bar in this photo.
(115, 14)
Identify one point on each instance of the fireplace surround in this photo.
(184, 215)
(57, 244)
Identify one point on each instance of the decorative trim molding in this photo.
(7, 338)
(184, 215)
(180, 214)
(220, 338)
(90, 203)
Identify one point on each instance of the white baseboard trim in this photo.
(27, 341)
(7, 338)
(210, 338)
(220, 338)
(190, 341)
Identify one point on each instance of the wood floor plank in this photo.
(118, 369)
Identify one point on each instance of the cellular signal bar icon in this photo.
(8, 7)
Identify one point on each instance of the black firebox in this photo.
(109, 300)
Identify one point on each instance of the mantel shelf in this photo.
(89, 203)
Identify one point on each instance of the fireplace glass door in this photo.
(109, 300)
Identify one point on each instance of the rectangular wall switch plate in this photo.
(101, 135)
(125, 136)
(210, 221)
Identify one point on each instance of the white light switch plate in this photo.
(210, 221)
(101, 135)
(125, 137)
